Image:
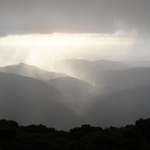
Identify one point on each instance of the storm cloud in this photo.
(79, 16)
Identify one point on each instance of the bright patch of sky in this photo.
(43, 49)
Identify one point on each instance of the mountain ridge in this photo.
(30, 71)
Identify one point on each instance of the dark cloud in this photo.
(99, 16)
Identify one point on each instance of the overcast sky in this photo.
(77, 16)
(129, 19)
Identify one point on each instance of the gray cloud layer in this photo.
(100, 16)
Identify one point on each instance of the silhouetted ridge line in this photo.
(13, 136)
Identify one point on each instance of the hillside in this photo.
(119, 108)
(29, 101)
(123, 79)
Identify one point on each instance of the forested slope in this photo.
(39, 137)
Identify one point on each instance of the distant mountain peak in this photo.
(23, 64)
(30, 71)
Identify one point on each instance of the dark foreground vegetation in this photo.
(39, 137)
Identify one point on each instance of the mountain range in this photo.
(98, 93)
(89, 70)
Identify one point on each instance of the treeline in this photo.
(39, 137)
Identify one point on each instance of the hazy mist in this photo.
(64, 63)
(44, 50)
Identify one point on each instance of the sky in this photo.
(42, 31)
